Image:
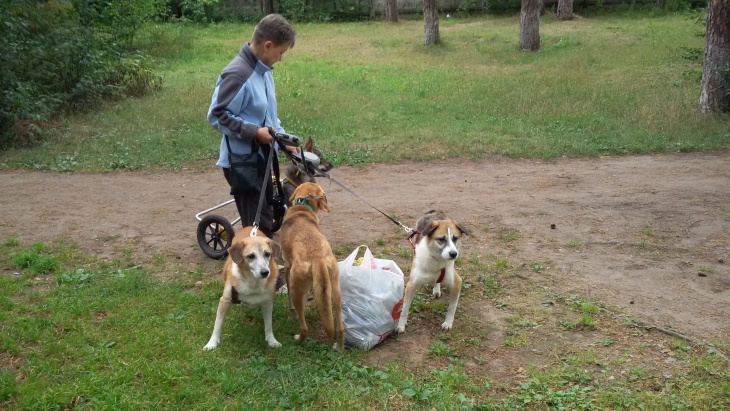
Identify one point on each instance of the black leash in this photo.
(411, 232)
(277, 186)
(319, 173)
(262, 196)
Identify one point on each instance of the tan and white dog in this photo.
(310, 263)
(249, 277)
(436, 248)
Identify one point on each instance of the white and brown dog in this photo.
(249, 277)
(310, 263)
(436, 247)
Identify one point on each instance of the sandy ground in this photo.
(647, 235)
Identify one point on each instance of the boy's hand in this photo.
(263, 136)
(288, 151)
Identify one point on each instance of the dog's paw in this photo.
(211, 345)
(400, 329)
(446, 325)
(273, 343)
(437, 294)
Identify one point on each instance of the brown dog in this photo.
(309, 262)
(294, 177)
(249, 276)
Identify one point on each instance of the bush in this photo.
(61, 55)
(200, 11)
(502, 6)
(118, 21)
(318, 10)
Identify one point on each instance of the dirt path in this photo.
(648, 235)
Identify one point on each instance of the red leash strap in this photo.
(410, 239)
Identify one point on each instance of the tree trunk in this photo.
(565, 9)
(391, 10)
(530, 25)
(430, 22)
(268, 7)
(715, 94)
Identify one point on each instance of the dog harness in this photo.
(413, 245)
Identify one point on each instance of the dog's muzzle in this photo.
(449, 253)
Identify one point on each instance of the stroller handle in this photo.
(286, 139)
(306, 162)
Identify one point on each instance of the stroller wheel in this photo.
(215, 235)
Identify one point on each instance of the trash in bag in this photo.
(372, 297)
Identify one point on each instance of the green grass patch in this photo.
(35, 260)
(369, 91)
(92, 334)
(439, 348)
(12, 242)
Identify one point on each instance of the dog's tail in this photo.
(326, 284)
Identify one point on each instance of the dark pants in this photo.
(247, 204)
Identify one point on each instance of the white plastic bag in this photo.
(372, 296)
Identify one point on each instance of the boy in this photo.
(244, 106)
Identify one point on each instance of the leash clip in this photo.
(255, 230)
(411, 234)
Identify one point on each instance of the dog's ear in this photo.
(236, 253)
(430, 229)
(323, 203)
(293, 195)
(308, 145)
(275, 250)
(460, 227)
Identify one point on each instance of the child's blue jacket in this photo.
(244, 94)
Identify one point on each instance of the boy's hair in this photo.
(275, 28)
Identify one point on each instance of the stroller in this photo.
(215, 233)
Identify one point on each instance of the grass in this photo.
(369, 91)
(96, 334)
(439, 348)
(508, 235)
(12, 242)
